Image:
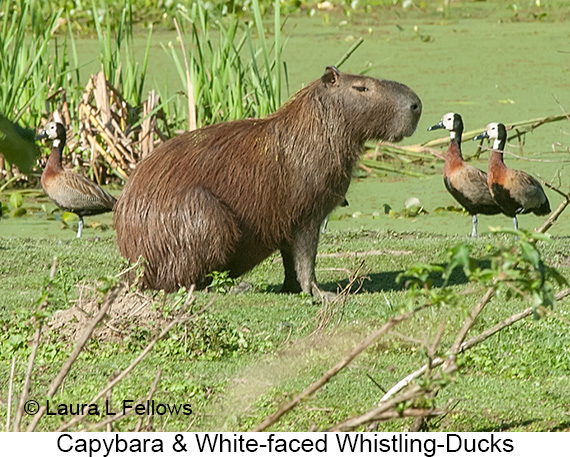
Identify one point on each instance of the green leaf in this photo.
(69, 217)
(458, 257)
(16, 200)
(18, 212)
(17, 145)
(530, 254)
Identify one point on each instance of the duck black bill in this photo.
(481, 136)
(437, 126)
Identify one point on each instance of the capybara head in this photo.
(224, 197)
(375, 109)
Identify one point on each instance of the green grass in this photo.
(240, 367)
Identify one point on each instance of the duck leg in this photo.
(474, 231)
(80, 227)
(515, 223)
(324, 226)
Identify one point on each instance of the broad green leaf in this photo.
(69, 217)
(530, 254)
(16, 200)
(18, 212)
(17, 145)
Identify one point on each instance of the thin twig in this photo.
(410, 412)
(108, 401)
(73, 356)
(367, 342)
(108, 422)
(35, 346)
(10, 386)
(377, 412)
(555, 189)
(431, 350)
(140, 357)
(148, 399)
(469, 322)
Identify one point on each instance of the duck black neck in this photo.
(501, 140)
(457, 131)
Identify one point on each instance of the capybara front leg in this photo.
(304, 248)
(291, 283)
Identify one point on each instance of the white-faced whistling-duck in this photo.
(515, 191)
(467, 184)
(70, 191)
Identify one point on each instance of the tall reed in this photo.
(233, 70)
(27, 70)
(121, 67)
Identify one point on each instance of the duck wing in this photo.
(75, 193)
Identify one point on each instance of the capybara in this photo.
(226, 196)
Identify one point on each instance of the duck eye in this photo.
(360, 88)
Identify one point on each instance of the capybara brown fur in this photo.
(226, 196)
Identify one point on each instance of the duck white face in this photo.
(50, 131)
(448, 121)
(497, 132)
(451, 122)
(53, 131)
(492, 130)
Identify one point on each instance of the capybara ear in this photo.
(330, 78)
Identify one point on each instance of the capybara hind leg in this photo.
(191, 240)
(291, 283)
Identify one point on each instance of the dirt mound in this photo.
(128, 311)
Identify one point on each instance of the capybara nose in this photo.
(417, 107)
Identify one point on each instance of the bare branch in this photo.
(469, 344)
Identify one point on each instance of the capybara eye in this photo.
(360, 88)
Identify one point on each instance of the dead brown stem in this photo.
(189, 87)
